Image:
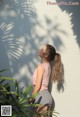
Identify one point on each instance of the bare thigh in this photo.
(44, 111)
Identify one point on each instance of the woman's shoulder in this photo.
(40, 66)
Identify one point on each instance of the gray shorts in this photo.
(44, 98)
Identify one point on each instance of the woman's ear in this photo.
(45, 55)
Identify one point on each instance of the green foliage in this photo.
(18, 98)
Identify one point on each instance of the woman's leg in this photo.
(44, 111)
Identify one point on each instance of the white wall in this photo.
(25, 25)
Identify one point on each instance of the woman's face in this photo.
(42, 51)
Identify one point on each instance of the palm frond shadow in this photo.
(74, 10)
(15, 30)
(19, 41)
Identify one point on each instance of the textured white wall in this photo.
(59, 32)
(25, 25)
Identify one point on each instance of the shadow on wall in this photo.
(52, 32)
(16, 43)
(75, 10)
(20, 39)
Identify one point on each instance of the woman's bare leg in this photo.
(44, 111)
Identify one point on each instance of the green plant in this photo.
(18, 99)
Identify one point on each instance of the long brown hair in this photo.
(57, 68)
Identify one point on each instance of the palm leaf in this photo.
(3, 70)
(27, 91)
(6, 78)
(16, 89)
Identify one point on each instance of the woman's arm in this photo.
(40, 72)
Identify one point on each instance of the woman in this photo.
(44, 74)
